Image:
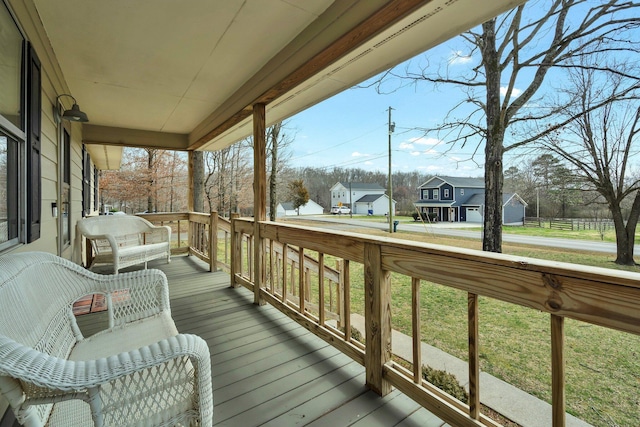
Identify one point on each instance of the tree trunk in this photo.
(625, 235)
(493, 177)
(275, 135)
(197, 165)
(150, 165)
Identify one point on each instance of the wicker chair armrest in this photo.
(133, 295)
(159, 233)
(108, 237)
(60, 379)
(136, 295)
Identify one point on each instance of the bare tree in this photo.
(599, 142)
(277, 156)
(517, 52)
(226, 177)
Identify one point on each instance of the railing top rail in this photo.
(592, 294)
(164, 216)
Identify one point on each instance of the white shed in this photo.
(286, 209)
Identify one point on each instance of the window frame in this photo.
(25, 170)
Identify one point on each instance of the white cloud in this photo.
(514, 91)
(358, 154)
(368, 163)
(415, 153)
(405, 146)
(425, 141)
(457, 57)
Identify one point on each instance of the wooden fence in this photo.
(573, 224)
(596, 296)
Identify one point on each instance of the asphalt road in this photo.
(332, 221)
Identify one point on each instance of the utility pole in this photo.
(390, 189)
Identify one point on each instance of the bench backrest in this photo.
(116, 225)
(37, 292)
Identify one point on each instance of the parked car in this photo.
(338, 210)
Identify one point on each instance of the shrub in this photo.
(446, 382)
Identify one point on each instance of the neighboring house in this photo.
(373, 204)
(310, 208)
(457, 199)
(362, 198)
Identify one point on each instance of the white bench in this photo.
(139, 371)
(125, 240)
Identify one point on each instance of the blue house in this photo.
(458, 199)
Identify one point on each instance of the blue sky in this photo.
(351, 129)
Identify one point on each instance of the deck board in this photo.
(268, 370)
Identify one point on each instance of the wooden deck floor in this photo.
(268, 370)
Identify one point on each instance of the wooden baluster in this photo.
(179, 234)
(346, 300)
(236, 250)
(271, 267)
(213, 241)
(557, 371)
(417, 335)
(340, 291)
(285, 249)
(301, 278)
(321, 286)
(474, 357)
(377, 286)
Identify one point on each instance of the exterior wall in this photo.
(513, 213)
(340, 194)
(311, 208)
(446, 192)
(379, 206)
(52, 85)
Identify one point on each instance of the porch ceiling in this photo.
(193, 70)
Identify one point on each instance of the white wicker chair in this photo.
(139, 371)
(125, 240)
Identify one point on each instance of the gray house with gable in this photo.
(459, 199)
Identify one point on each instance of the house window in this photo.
(9, 212)
(436, 196)
(20, 113)
(446, 193)
(462, 191)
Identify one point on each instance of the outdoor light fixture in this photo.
(74, 114)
